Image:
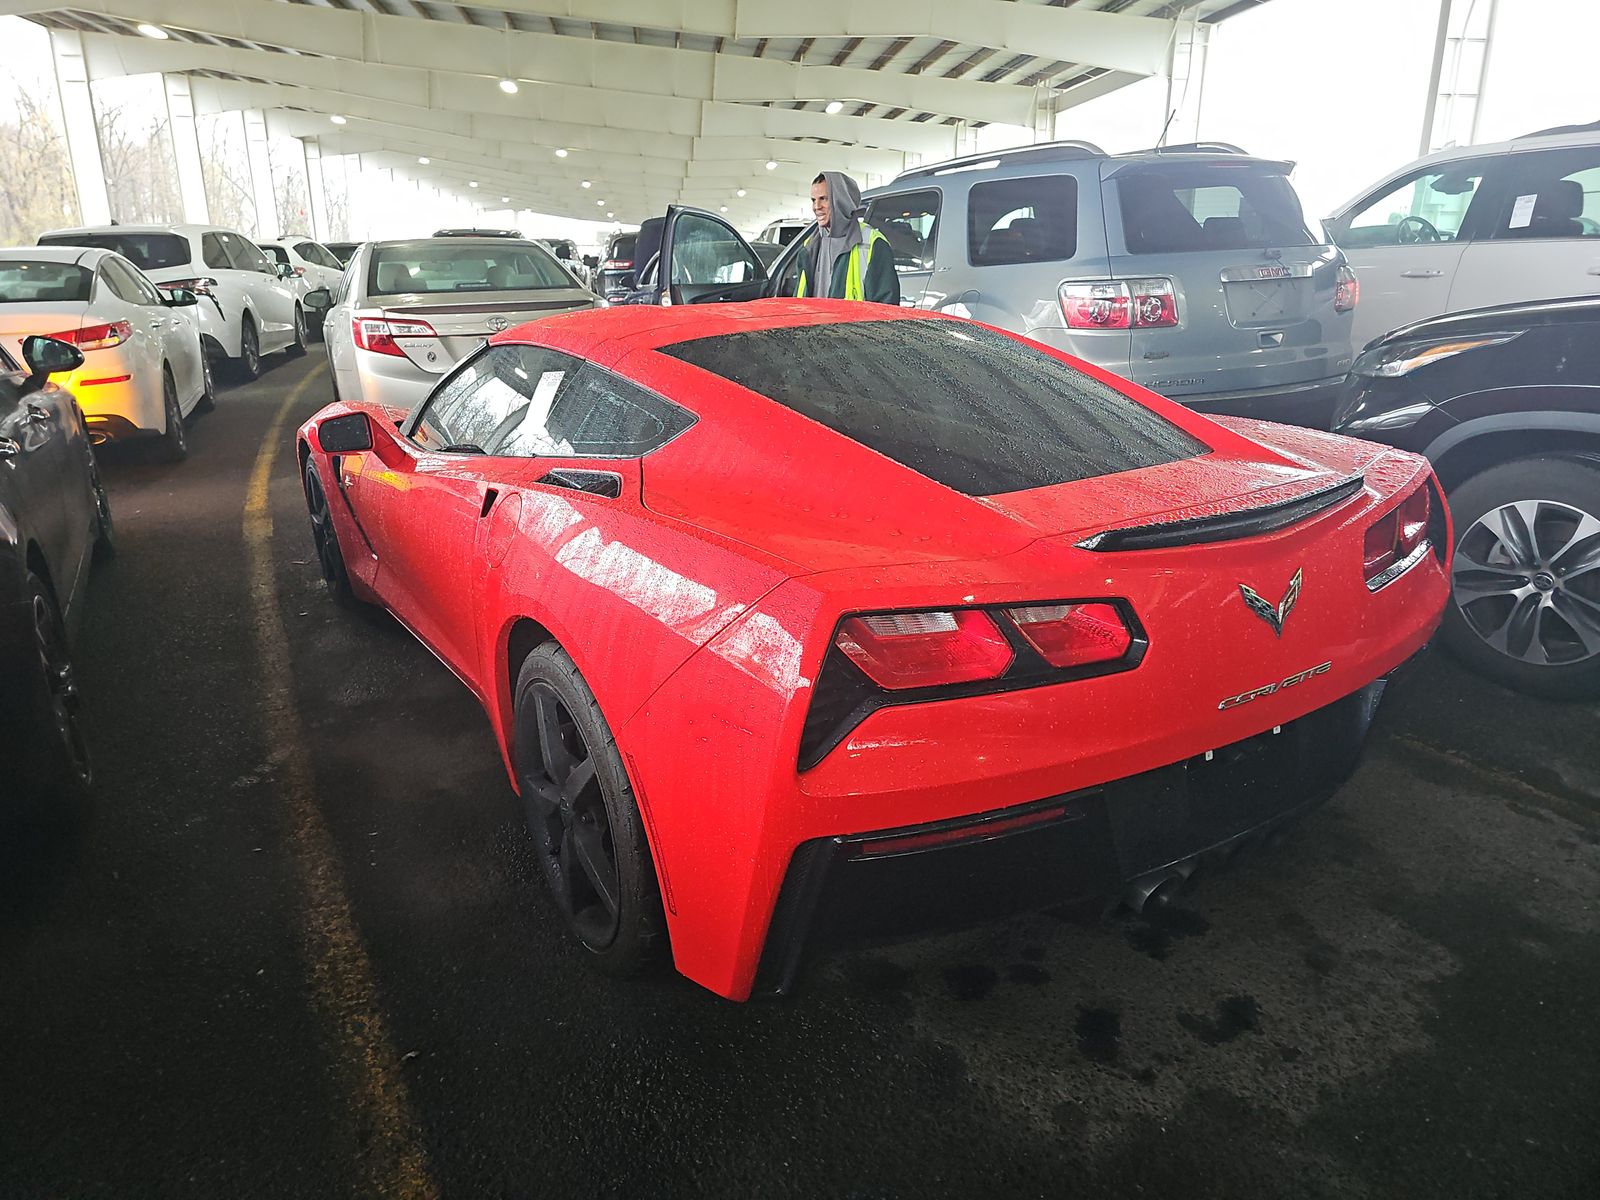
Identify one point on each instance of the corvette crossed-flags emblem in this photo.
(1274, 616)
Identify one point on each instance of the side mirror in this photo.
(591, 261)
(46, 357)
(180, 298)
(284, 271)
(320, 299)
(346, 434)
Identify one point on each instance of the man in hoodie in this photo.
(846, 259)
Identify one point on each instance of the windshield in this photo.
(434, 267)
(44, 283)
(971, 408)
(147, 251)
(1209, 206)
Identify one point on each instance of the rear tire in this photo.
(53, 767)
(175, 438)
(588, 835)
(297, 348)
(208, 386)
(1525, 598)
(248, 365)
(330, 558)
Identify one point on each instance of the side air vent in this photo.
(596, 483)
(1249, 522)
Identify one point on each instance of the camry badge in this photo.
(498, 323)
(1273, 616)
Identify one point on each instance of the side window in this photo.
(308, 252)
(486, 401)
(245, 256)
(121, 283)
(143, 287)
(594, 415)
(911, 222)
(1552, 194)
(213, 253)
(1430, 207)
(707, 251)
(1022, 220)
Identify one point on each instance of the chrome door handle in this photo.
(37, 412)
(1421, 273)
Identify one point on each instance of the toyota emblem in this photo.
(496, 324)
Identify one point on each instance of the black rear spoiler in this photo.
(1227, 527)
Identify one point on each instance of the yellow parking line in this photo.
(390, 1159)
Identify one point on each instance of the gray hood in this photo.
(844, 226)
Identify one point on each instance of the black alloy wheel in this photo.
(297, 348)
(330, 559)
(208, 386)
(175, 438)
(248, 364)
(587, 832)
(54, 762)
(1525, 580)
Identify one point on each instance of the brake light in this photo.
(1073, 635)
(297, 272)
(200, 287)
(1347, 292)
(925, 649)
(96, 337)
(1395, 537)
(378, 335)
(618, 264)
(1120, 304)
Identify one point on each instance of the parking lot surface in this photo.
(297, 946)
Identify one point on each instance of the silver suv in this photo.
(1189, 269)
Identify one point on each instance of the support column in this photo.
(261, 189)
(1460, 70)
(83, 142)
(1186, 81)
(317, 186)
(186, 149)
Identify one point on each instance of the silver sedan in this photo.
(407, 312)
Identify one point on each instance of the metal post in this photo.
(83, 141)
(1436, 77)
(186, 149)
(266, 201)
(1483, 69)
(316, 185)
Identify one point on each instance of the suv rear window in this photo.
(1172, 209)
(147, 251)
(973, 409)
(623, 247)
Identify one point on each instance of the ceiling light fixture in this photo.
(473, 183)
(561, 153)
(337, 119)
(833, 106)
(771, 166)
(600, 203)
(724, 208)
(586, 183)
(424, 160)
(611, 214)
(505, 199)
(508, 86)
(740, 193)
(154, 31)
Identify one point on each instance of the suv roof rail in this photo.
(1591, 127)
(1042, 151)
(1195, 148)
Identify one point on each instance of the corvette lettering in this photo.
(1269, 689)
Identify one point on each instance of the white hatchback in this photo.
(247, 306)
(1476, 227)
(144, 368)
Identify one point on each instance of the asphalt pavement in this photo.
(295, 945)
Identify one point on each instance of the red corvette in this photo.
(798, 615)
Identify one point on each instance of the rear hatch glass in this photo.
(1232, 231)
(147, 251)
(967, 407)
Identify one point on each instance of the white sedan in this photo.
(311, 266)
(144, 369)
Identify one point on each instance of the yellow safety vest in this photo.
(853, 274)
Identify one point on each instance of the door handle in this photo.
(158, 324)
(1421, 273)
(1595, 270)
(37, 412)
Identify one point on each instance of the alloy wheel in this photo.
(179, 435)
(322, 531)
(1526, 579)
(62, 687)
(568, 817)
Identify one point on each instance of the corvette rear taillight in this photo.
(96, 337)
(378, 335)
(1073, 635)
(925, 649)
(1395, 537)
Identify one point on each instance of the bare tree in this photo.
(141, 171)
(225, 168)
(289, 190)
(36, 182)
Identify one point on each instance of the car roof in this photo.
(1022, 158)
(84, 255)
(180, 230)
(490, 243)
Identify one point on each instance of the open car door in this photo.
(706, 261)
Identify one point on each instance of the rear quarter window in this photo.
(1022, 220)
(973, 409)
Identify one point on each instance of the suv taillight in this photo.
(378, 335)
(617, 264)
(200, 287)
(1347, 292)
(1120, 304)
(96, 337)
(1395, 537)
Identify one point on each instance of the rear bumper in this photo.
(1128, 838)
(1307, 404)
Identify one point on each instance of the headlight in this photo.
(1392, 362)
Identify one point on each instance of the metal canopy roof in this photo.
(654, 100)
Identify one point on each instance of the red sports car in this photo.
(795, 616)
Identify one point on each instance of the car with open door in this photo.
(54, 517)
(1056, 637)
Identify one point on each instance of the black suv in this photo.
(616, 275)
(1505, 402)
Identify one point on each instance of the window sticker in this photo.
(1522, 211)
